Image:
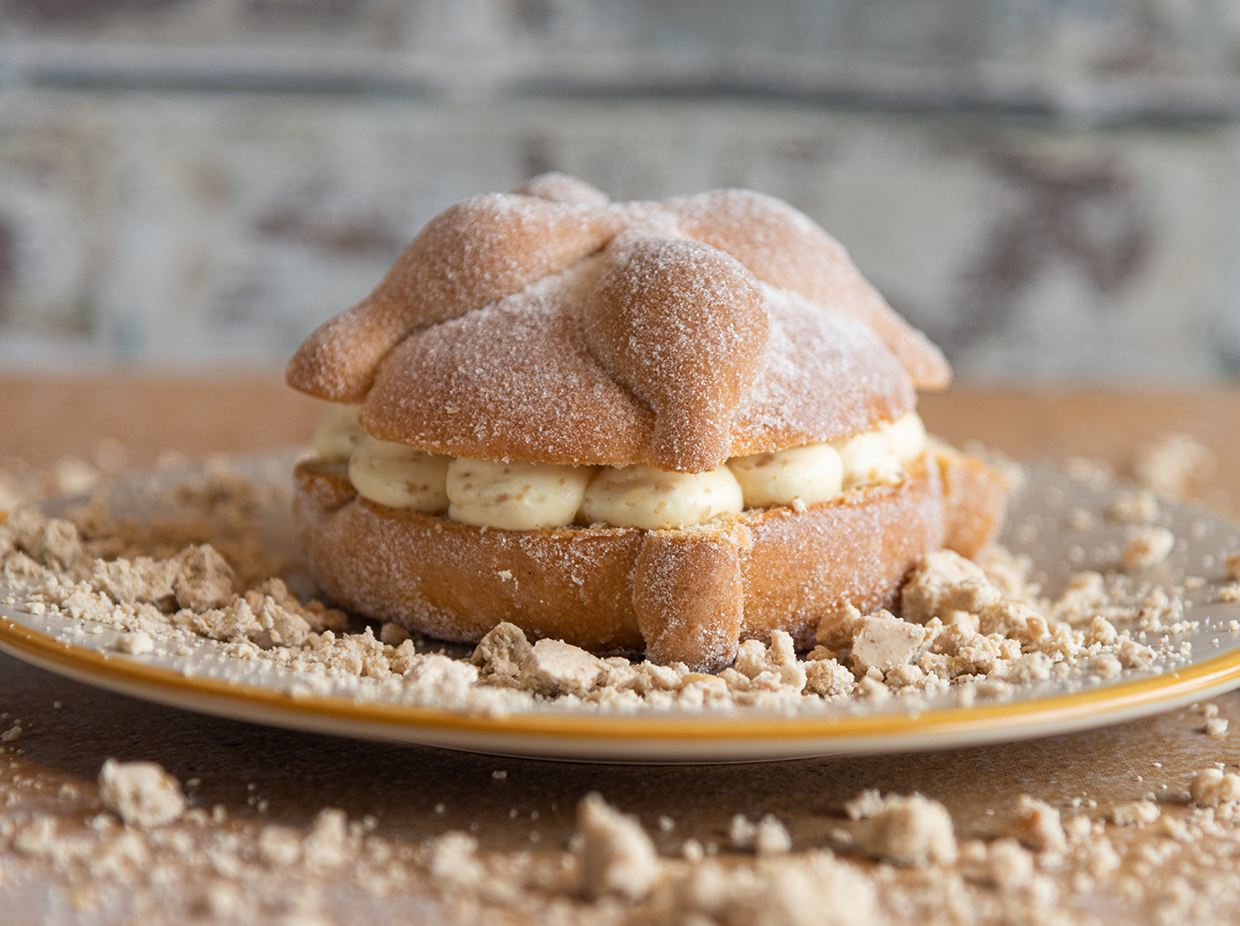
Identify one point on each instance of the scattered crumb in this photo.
(135, 644)
(555, 667)
(393, 634)
(1216, 726)
(140, 793)
(1135, 507)
(615, 856)
(1079, 519)
(1004, 863)
(1136, 813)
(1147, 547)
(1211, 787)
(913, 830)
(1174, 465)
(1036, 824)
(970, 630)
(984, 630)
(767, 837)
(1088, 472)
(884, 642)
(453, 862)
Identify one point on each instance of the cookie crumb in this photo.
(912, 831)
(1216, 726)
(140, 793)
(1139, 507)
(614, 854)
(1135, 813)
(1211, 787)
(1036, 824)
(135, 644)
(1080, 519)
(767, 837)
(453, 863)
(1174, 465)
(1147, 547)
(883, 641)
(556, 667)
(1005, 863)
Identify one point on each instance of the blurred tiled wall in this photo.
(1048, 188)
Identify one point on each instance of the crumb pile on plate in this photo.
(963, 628)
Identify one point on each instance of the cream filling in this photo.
(516, 495)
(339, 432)
(869, 459)
(641, 496)
(809, 474)
(527, 496)
(400, 476)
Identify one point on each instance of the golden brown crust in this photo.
(783, 247)
(778, 339)
(974, 498)
(469, 255)
(670, 593)
(683, 326)
(689, 596)
(517, 380)
(561, 188)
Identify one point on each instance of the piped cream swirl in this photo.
(518, 495)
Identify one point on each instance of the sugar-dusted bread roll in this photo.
(643, 355)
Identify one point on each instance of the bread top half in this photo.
(551, 324)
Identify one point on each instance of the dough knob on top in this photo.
(683, 326)
(562, 188)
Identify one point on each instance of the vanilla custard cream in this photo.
(518, 495)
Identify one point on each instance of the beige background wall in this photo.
(1050, 189)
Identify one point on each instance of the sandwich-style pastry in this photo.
(660, 427)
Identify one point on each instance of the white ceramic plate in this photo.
(204, 680)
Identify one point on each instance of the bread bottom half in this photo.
(686, 596)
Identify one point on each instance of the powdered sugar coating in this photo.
(562, 188)
(512, 380)
(682, 595)
(471, 254)
(517, 380)
(785, 248)
(503, 257)
(822, 376)
(682, 325)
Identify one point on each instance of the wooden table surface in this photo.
(71, 729)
